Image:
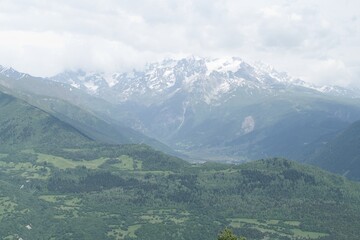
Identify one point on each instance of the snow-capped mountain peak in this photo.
(92, 82)
(202, 79)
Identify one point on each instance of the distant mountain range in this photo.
(206, 109)
(206, 80)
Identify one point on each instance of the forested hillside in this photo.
(23, 125)
(132, 191)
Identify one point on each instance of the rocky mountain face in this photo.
(12, 73)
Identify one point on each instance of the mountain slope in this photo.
(302, 125)
(24, 125)
(86, 113)
(342, 154)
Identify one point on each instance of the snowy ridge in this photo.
(92, 82)
(12, 73)
(201, 79)
(3, 69)
(205, 79)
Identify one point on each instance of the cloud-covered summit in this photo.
(314, 40)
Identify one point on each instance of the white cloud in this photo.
(271, 12)
(331, 71)
(296, 17)
(306, 38)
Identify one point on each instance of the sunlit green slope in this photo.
(23, 125)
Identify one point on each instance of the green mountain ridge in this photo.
(24, 125)
(56, 102)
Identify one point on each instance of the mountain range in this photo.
(222, 109)
(198, 108)
(206, 80)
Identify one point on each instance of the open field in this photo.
(290, 229)
(25, 169)
(64, 163)
(119, 233)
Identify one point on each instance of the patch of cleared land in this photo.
(64, 163)
(6, 206)
(164, 216)
(119, 233)
(290, 229)
(127, 163)
(26, 169)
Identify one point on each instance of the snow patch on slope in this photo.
(91, 86)
(111, 79)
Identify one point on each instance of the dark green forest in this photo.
(132, 191)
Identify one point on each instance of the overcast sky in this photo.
(315, 40)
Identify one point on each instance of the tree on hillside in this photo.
(227, 234)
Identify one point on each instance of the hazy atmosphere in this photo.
(313, 40)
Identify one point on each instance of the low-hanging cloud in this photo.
(308, 39)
